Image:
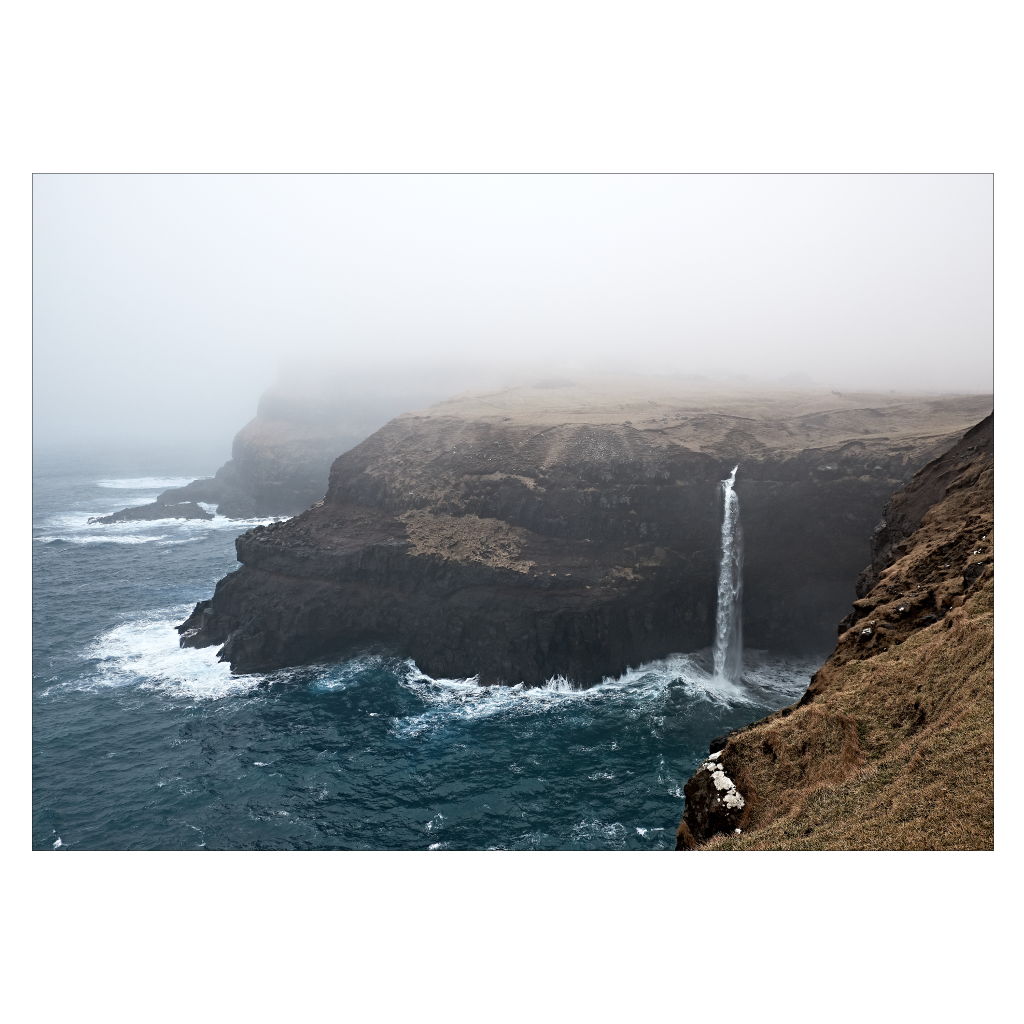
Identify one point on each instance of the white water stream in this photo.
(729, 617)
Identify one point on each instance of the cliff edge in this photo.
(573, 529)
(891, 748)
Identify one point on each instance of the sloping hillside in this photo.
(891, 748)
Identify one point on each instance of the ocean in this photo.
(140, 745)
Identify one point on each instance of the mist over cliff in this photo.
(164, 304)
(569, 529)
(316, 410)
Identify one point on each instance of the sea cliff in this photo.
(316, 410)
(571, 530)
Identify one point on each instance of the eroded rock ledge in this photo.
(532, 533)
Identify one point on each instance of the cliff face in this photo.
(281, 460)
(278, 467)
(904, 511)
(574, 531)
(892, 745)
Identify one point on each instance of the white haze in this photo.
(164, 305)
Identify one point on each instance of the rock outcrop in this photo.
(891, 747)
(281, 460)
(156, 510)
(904, 511)
(277, 468)
(571, 530)
(713, 803)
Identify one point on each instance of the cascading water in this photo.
(729, 617)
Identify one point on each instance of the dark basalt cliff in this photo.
(281, 460)
(515, 539)
(891, 747)
(278, 467)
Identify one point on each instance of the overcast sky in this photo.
(164, 305)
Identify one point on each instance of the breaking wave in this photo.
(145, 654)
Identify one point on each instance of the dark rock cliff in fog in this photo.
(559, 530)
(281, 459)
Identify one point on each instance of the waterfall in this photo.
(729, 617)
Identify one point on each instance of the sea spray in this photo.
(729, 617)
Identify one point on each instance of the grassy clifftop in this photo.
(892, 746)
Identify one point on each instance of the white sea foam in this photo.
(146, 483)
(144, 653)
(608, 832)
(450, 700)
(98, 539)
(766, 679)
(75, 528)
(332, 678)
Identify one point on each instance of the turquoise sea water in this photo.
(138, 744)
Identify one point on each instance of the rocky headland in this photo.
(892, 746)
(573, 529)
(281, 459)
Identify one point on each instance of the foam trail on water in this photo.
(728, 651)
(145, 483)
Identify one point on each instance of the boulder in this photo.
(714, 804)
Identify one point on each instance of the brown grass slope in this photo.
(891, 748)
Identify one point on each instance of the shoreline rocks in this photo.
(156, 510)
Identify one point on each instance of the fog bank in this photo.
(165, 305)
